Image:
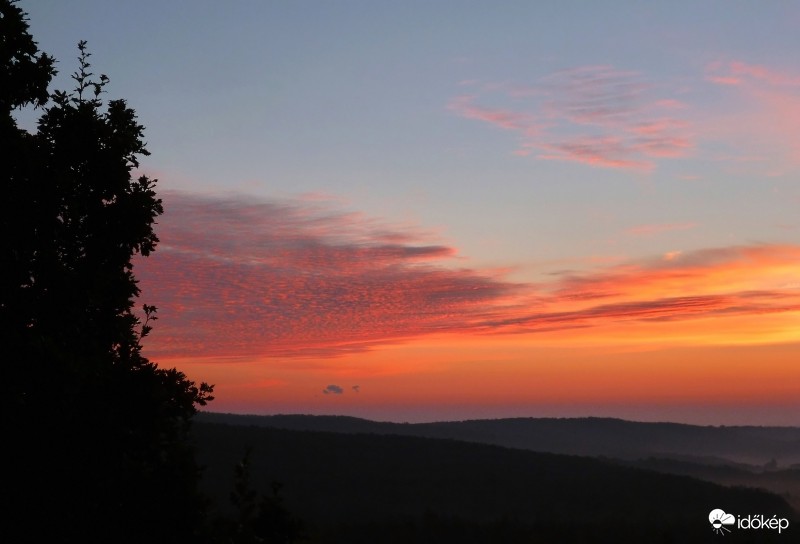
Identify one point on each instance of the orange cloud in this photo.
(725, 285)
(235, 278)
(594, 115)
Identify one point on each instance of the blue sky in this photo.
(351, 99)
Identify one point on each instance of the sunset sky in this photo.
(418, 211)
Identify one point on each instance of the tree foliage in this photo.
(25, 72)
(261, 518)
(98, 433)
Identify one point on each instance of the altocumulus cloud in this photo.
(236, 277)
(242, 278)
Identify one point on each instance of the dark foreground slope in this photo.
(575, 436)
(373, 488)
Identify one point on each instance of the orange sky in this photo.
(694, 337)
(437, 378)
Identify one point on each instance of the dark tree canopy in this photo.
(25, 72)
(98, 433)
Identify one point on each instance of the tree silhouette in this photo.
(98, 434)
(261, 518)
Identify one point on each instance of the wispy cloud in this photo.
(724, 282)
(594, 115)
(764, 126)
(510, 120)
(605, 151)
(652, 229)
(235, 277)
(740, 73)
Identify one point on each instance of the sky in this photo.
(419, 211)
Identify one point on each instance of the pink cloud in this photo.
(594, 115)
(766, 118)
(594, 95)
(725, 80)
(236, 277)
(648, 230)
(248, 278)
(506, 119)
(671, 104)
(737, 73)
(596, 151)
(763, 73)
(664, 147)
(657, 126)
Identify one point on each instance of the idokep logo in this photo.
(719, 519)
(720, 522)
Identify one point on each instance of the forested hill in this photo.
(579, 436)
(383, 488)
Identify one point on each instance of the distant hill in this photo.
(381, 488)
(578, 436)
